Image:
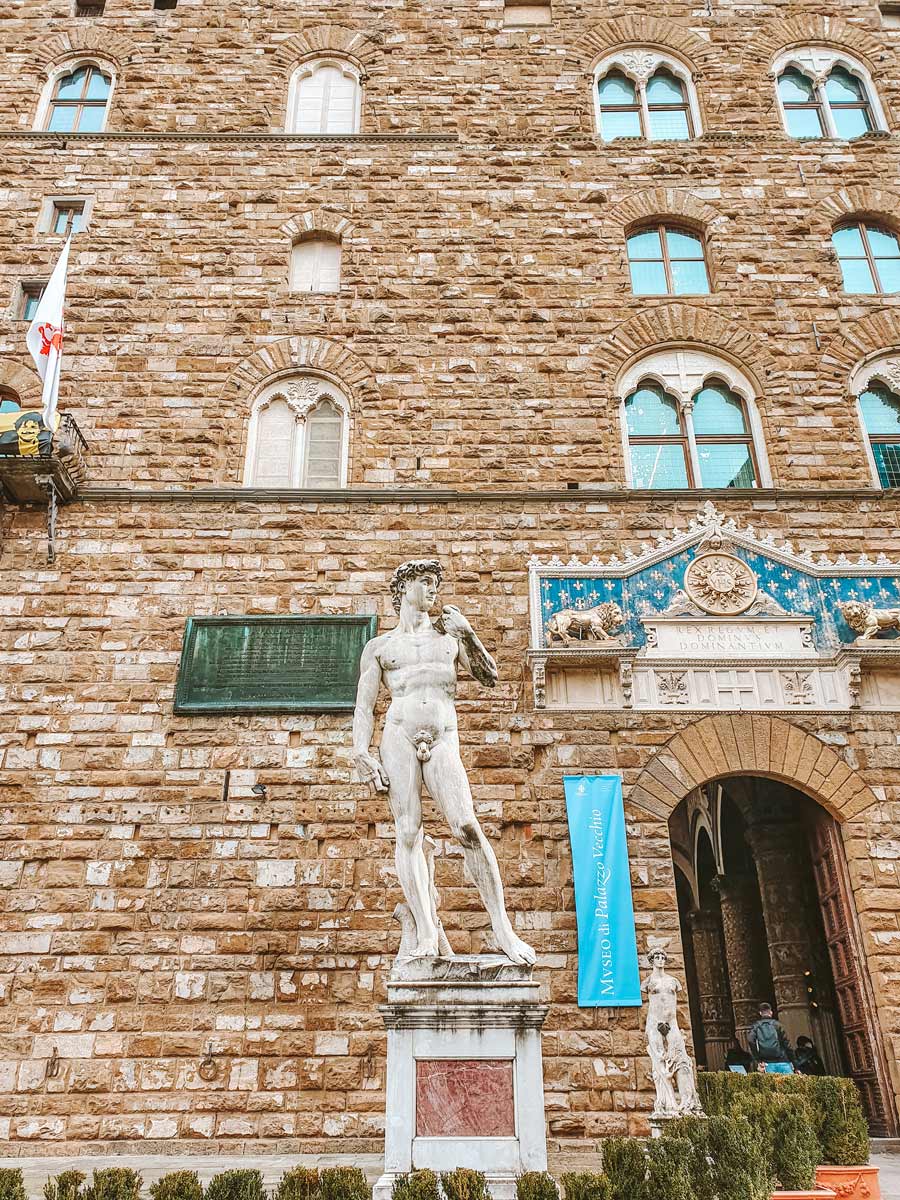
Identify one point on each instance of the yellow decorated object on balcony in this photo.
(23, 432)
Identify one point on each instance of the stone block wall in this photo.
(484, 316)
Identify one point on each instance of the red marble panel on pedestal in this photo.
(465, 1097)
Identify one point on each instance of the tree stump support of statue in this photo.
(464, 1070)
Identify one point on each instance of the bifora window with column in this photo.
(642, 93)
(826, 94)
(689, 421)
(876, 386)
(298, 435)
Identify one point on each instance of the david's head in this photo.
(657, 958)
(418, 580)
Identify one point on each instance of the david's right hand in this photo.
(371, 771)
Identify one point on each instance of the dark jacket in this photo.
(768, 1041)
(807, 1061)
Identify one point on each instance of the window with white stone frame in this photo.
(298, 435)
(325, 96)
(645, 93)
(876, 386)
(76, 98)
(824, 93)
(690, 420)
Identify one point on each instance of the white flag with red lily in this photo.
(45, 335)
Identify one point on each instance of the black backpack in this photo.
(768, 1042)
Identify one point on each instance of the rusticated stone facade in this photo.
(483, 320)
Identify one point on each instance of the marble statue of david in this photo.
(418, 661)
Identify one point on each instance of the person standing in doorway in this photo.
(769, 1043)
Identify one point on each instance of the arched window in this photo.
(823, 94)
(879, 407)
(79, 100)
(667, 261)
(869, 256)
(689, 421)
(325, 97)
(316, 264)
(642, 93)
(9, 400)
(298, 436)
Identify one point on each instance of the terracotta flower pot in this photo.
(819, 1193)
(850, 1183)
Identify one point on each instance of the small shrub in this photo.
(177, 1185)
(66, 1186)
(300, 1183)
(762, 1113)
(236, 1185)
(695, 1132)
(12, 1185)
(625, 1165)
(738, 1171)
(585, 1185)
(418, 1185)
(843, 1131)
(533, 1185)
(464, 1184)
(114, 1183)
(669, 1169)
(343, 1183)
(795, 1148)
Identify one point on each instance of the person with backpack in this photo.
(769, 1043)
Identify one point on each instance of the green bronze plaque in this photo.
(270, 664)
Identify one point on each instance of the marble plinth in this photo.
(465, 1084)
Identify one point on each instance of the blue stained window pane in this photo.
(804, 122)
(649, 412)
(718, 412)
(658, 466)
(880, 411)
(887, 461)
(70, 85)
(92, 119)
(619, 124)
(617, 88)
(669, 125)
(848, 241)
(889, 274)
(689, 278)
(645, 244)
(62, 119)
(795, 88)
(98, 88)
(31, 303)
(724, 466)
(683, 245)
(883, 243)
(648, 279)
(664, 88)
(843, 88)
(851, 123)
(857, 276)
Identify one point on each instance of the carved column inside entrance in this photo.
(744, 947)
(782, 868)
(712, 981)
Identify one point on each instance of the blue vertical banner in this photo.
(607, 945)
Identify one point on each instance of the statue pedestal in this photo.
(465, 1084)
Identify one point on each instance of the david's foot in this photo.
(515, 949)
(426, 948)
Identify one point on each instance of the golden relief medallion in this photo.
(720, 584)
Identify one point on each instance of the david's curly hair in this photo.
(411, 570)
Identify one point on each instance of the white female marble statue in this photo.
(673, 1072)
(418, 661)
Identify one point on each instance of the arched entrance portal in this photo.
(764, 897)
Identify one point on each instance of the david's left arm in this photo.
(472, 654)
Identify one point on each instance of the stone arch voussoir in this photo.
(813, 29)
(749, 744)
(87, 41)
(317, 220)
(686, 324)
(636, 30)
(24, 382)
(859, 200)
(299, 353)
(876, 333)
(663, 202)
(359, 48)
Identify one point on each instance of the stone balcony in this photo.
(26, 478)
